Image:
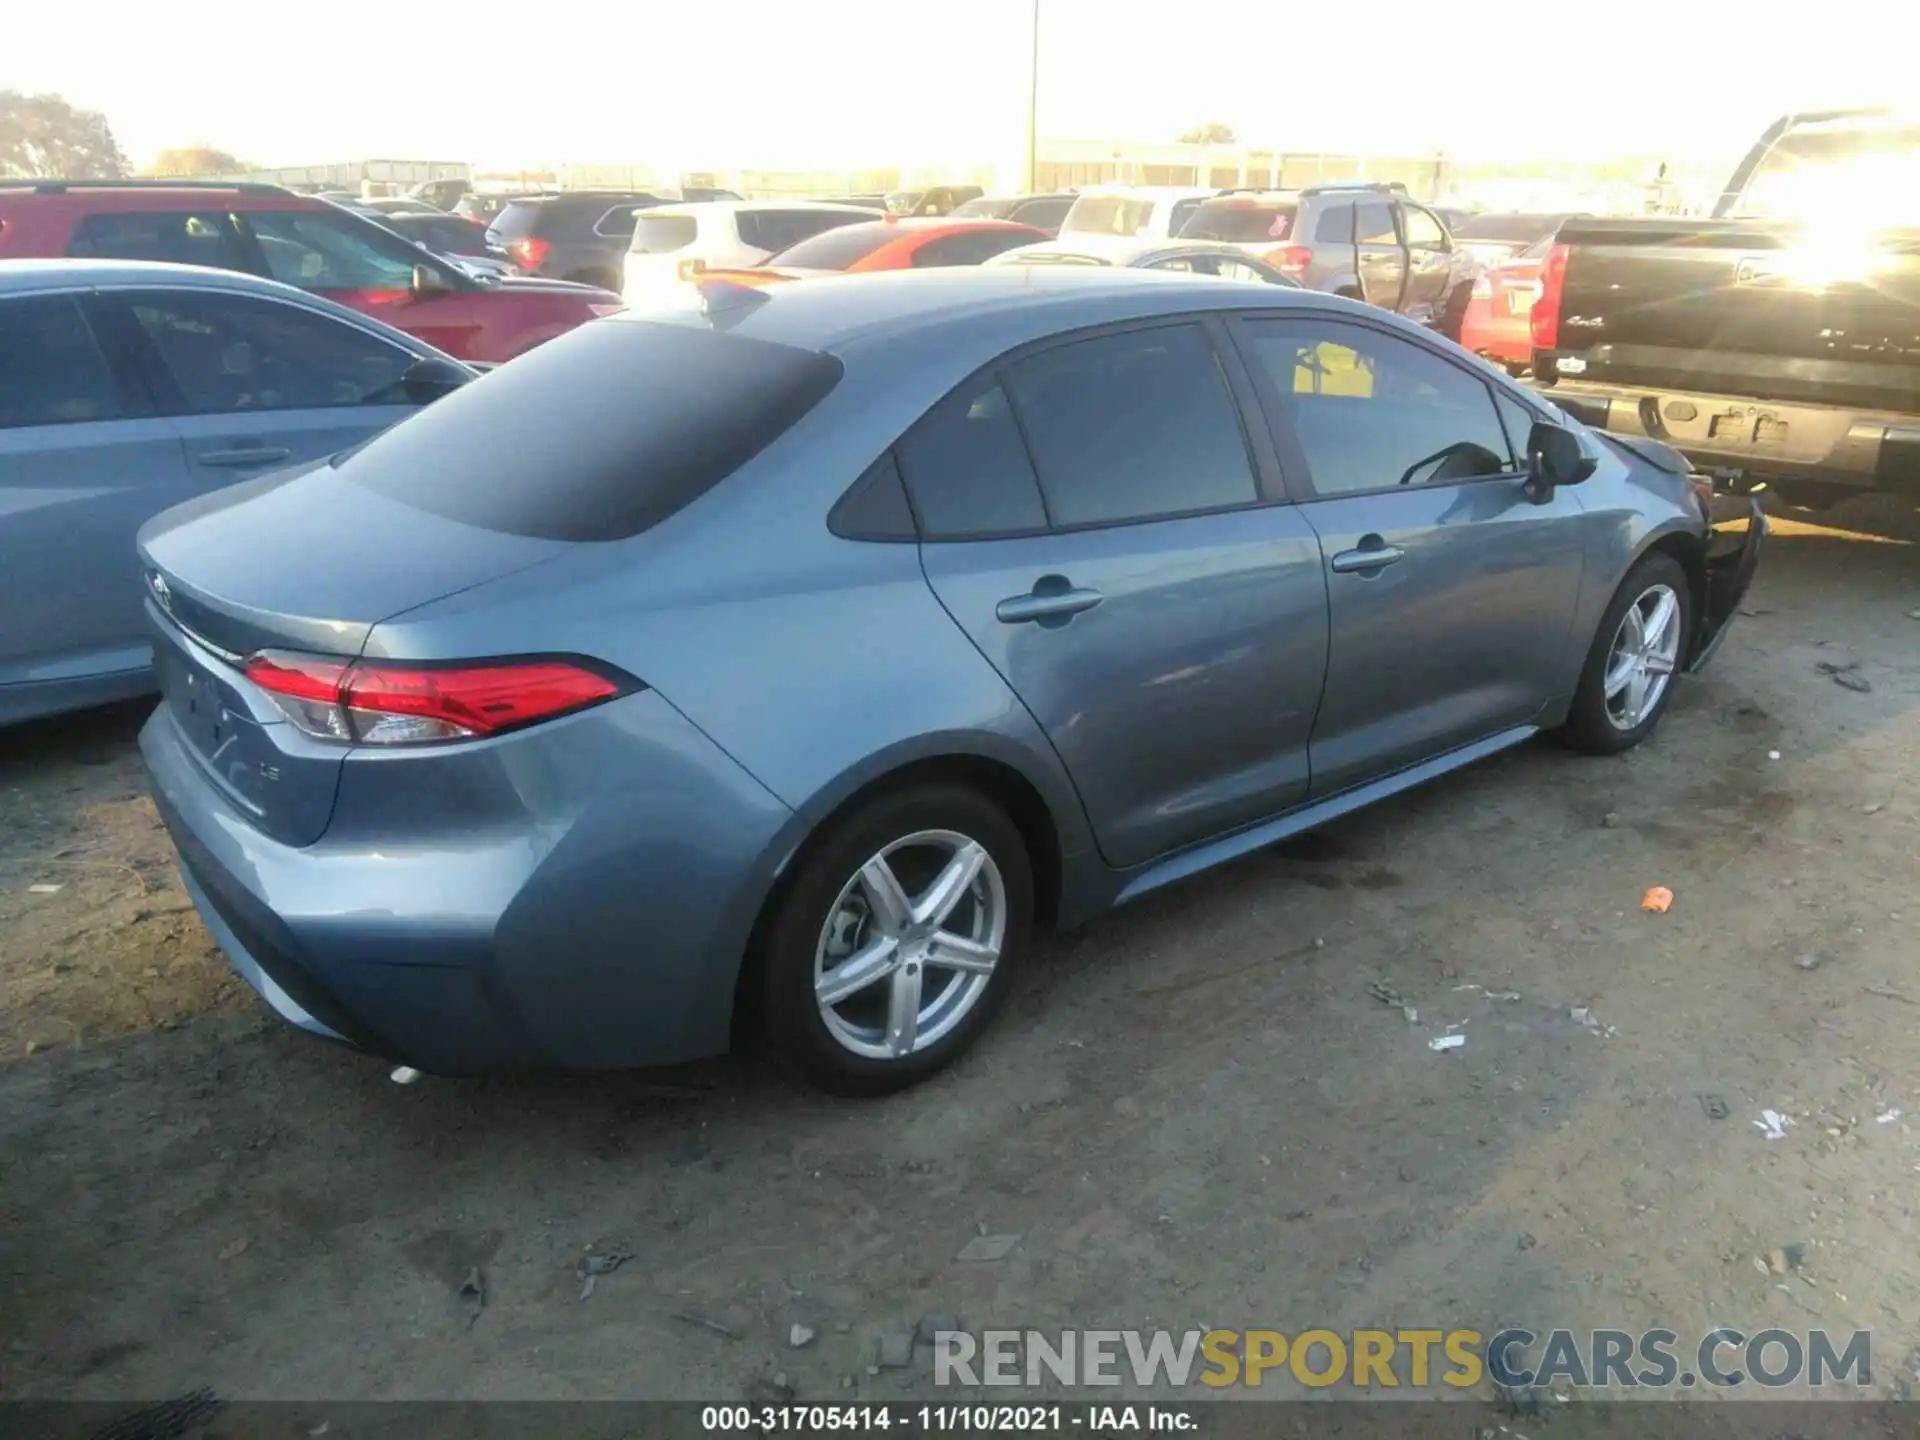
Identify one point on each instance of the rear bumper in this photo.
(576, 896)
(1764, 438)
(1733, 555)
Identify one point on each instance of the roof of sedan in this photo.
(828, 313)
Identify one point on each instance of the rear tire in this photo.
(917, 905)
(1630, 672)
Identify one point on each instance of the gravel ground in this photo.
(1199, 1111)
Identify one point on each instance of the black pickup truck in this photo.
(1778, 341)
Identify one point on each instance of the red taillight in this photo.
(1290, 259)
(528, 253)
(1544, 318)
(379, 704)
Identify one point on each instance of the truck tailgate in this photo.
(1765, 311)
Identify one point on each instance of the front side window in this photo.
(178, 238)
(1373, 411)
(51, 370)
(234, 354)
(967, 469)
(1373, 223)
(1132, 426)
(1423, 230)
(330, 252)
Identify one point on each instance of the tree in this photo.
(43, 137)
(195, 160)
(1212, 133)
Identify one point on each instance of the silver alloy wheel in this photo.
(901, 961)
(1641, 662)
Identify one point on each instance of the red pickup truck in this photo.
(299, 240)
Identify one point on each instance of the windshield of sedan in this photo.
(836, 249)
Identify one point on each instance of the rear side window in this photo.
(598, 435)
(1242, 222)
(178, 238)
(837, 249)
(519, 219)
(51, 371)
(1132, 426)
(1042, 214)
(1334, 227)
(1182, 212)
(616, 223)
(968, 471)
(662, 234)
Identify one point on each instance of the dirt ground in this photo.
(1198, 1112)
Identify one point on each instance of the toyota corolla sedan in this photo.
(773, 667)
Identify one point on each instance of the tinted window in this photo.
(1517, 419)
(1183, 211)
(777, 229)
(616, 223)
(1373, 411)
(1242, 221)
(1373, 223)
(1130, 426)
(968, 471)
(331, 252)
(1046, 214)
(443, 233)
(985, 208)
(630, 420)
(516, 220)
(661, 234)
(837, 248)
(51, 371)
(1107, 215)
(969, 249)
(227, 354)
(181, 239)
(1335, 226)
(1423, 231)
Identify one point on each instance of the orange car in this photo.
(889, 244)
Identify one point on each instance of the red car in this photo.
(299, 240)
(895, 243)
(1497, 323)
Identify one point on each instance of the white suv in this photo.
(671, 242)
(1152, 212)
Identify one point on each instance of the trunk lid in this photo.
(305, 561)
(1769, 310)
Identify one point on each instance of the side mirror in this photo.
(427, 280)
(1556, 457)
(428, 380)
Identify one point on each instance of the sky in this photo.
(823, 84)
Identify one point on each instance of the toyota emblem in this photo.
(161, 594)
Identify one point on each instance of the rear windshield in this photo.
(661, 234)
(1524, 229)
(1242, 220)
(517, 220)
(836, 249)
(1107, 215)
(598, 435)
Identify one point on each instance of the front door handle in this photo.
(239, 459)
(1054, 600)
(1373, 553)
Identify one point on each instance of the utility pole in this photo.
(1033, 107)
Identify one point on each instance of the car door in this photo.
(356, 263)
(1093, 517)
(1380, 256)
(251, 383)
(1429, 264)
(83, 462)
(1451, 592)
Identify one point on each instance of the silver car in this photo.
(128, 387)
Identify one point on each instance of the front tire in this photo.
(896, 942)
(1636, 657)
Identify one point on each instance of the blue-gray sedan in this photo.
(125, 388)
(774, 666)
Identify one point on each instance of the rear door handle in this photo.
(1053, 601)
(239, 459)
(1376, 556)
